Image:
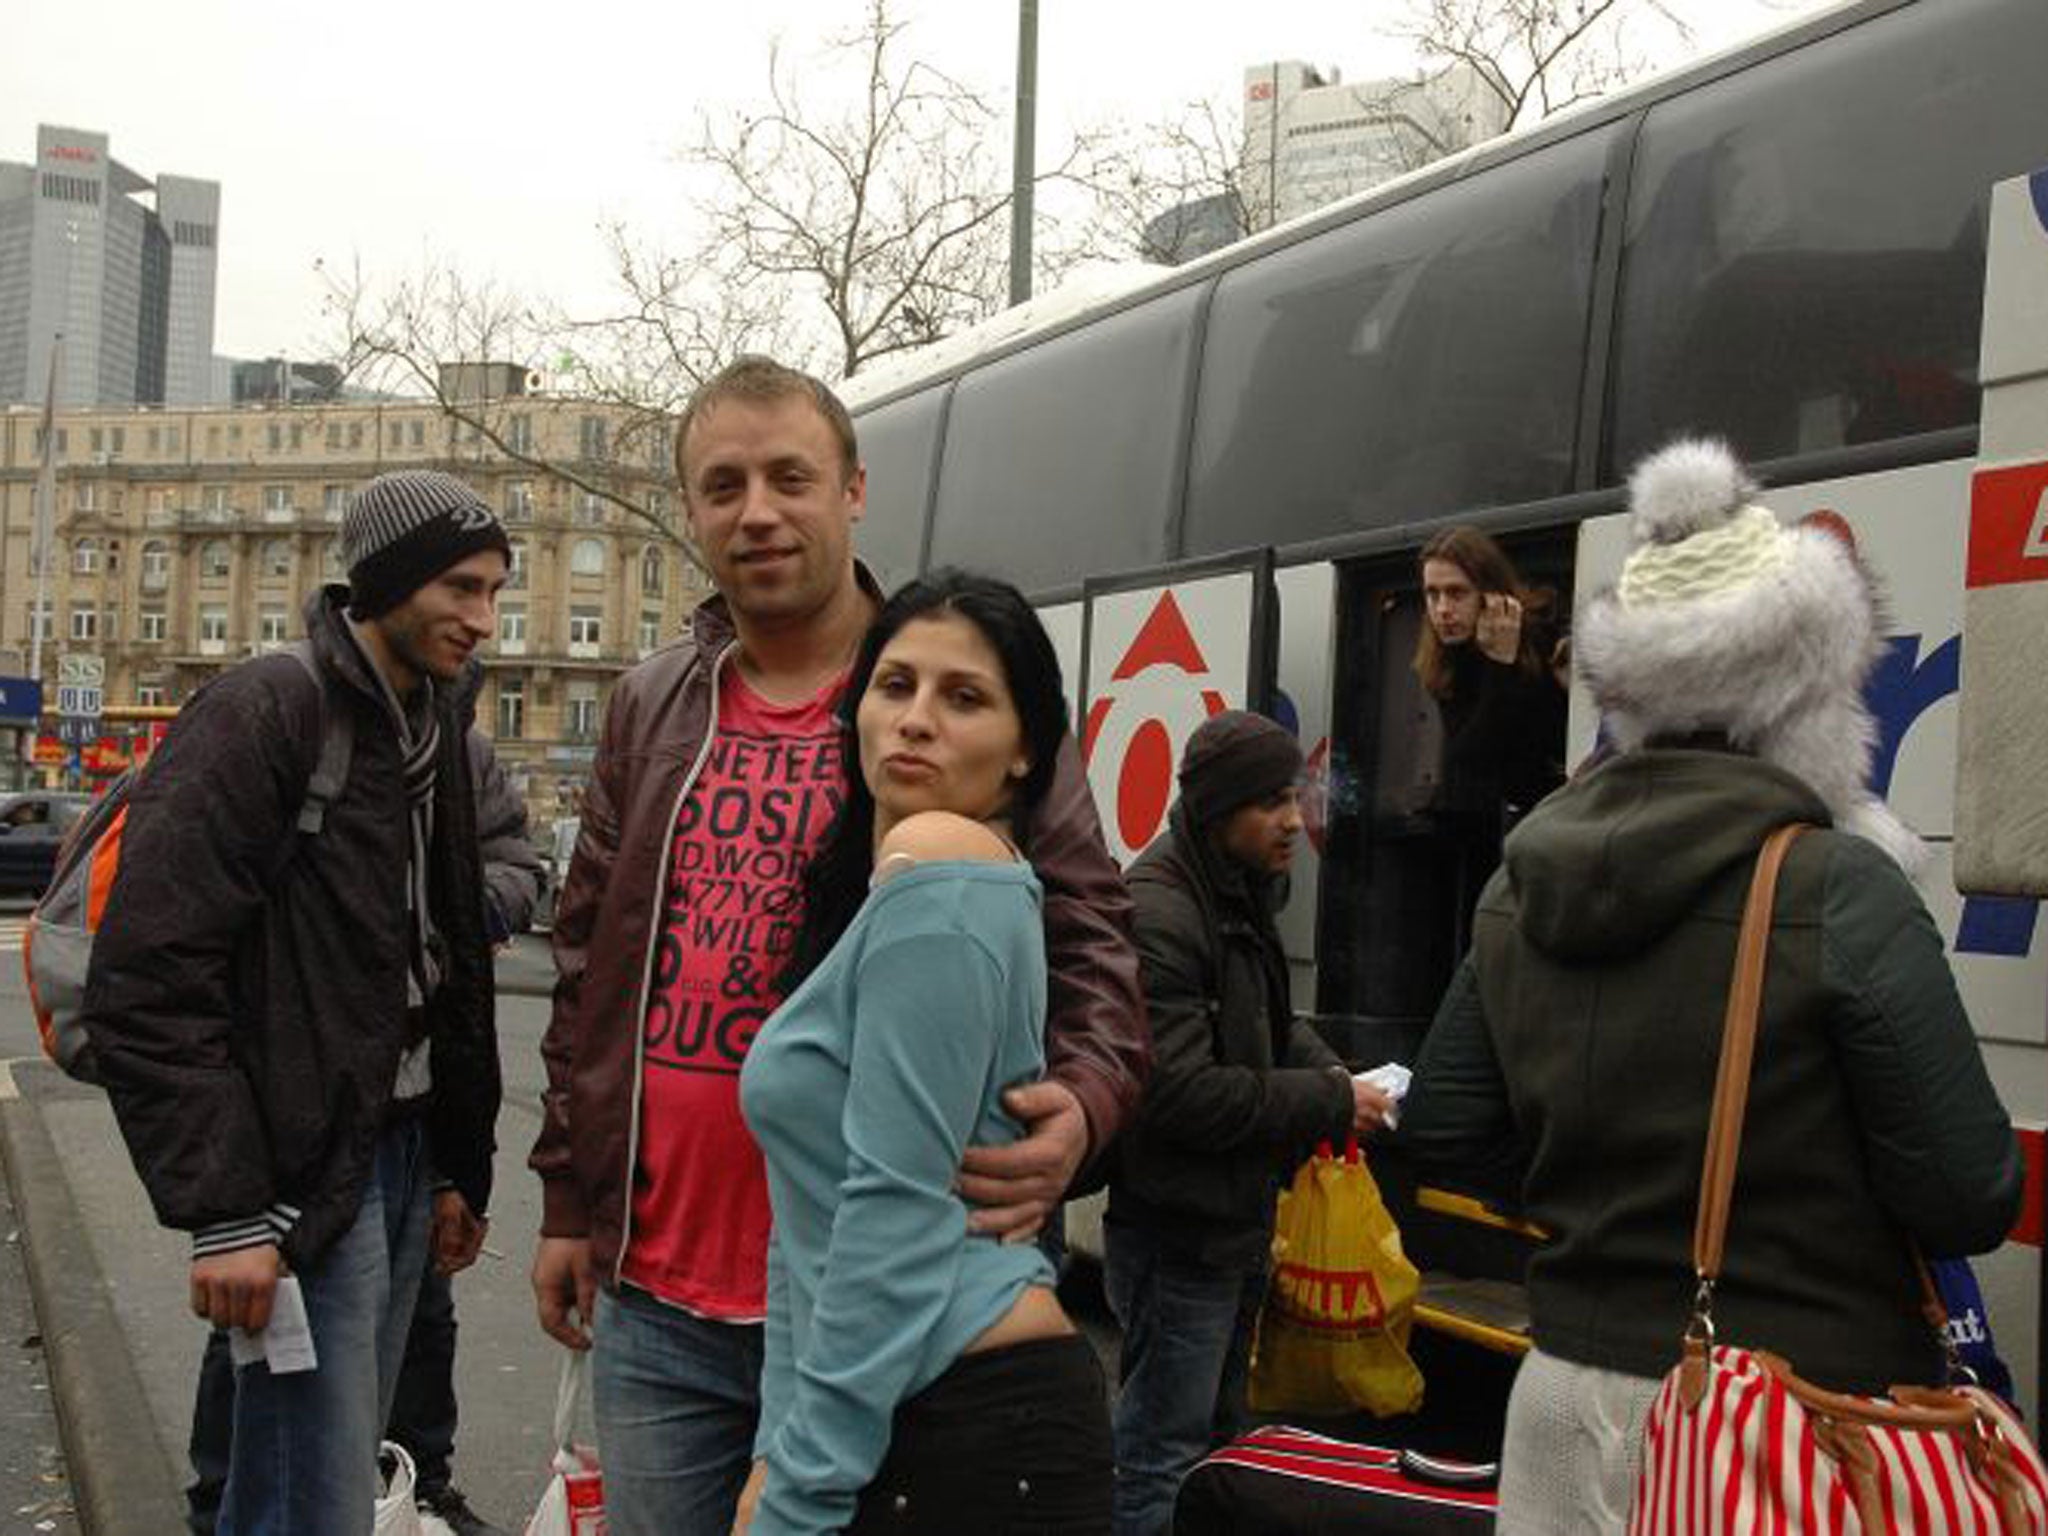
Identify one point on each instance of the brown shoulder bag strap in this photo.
(1738, 1047)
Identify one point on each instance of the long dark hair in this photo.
(836, 880)
(1487, 566)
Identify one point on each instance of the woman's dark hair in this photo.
(1487, 566)
(836, 880)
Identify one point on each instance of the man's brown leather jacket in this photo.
(608, 920)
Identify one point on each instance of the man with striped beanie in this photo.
(292, 989)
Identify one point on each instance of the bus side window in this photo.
(1804, 266)
(898, 443)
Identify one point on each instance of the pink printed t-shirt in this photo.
(773, 780)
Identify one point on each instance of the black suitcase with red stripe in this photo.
(1280, 1481)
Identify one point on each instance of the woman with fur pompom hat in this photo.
(1572, 1062)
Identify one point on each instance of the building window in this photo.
(512, 630)
(214, 560)
(85, 624)
(519, 501)
(213, 501)
(277, 500)
(334, 502)
(586, 627)
(274, 437)
(156, 565)
(519, 433)
(270, 625)
(579, 712)
(397, 434)
(152, 628)
(653, 572)
(355, 434)
(589, 508)
(515, 578)
(419, 434)
(298, 436)
(330, 561)
(151, 695)
(213, 628)
(650, 632)
(85, 496)
(155, 438)
(334, 434)
(511, 708)
(587, 558)
(277, 559)
(85, 557)
(657, 507)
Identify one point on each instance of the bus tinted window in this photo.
(896, 444)
(1062, 460)
(1421, 360)
(1805, 256)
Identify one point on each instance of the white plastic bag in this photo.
(573, 1504)
(396, 1514)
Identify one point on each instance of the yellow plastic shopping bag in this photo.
(1333, 1334)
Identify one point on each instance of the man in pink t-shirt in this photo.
(719, 770)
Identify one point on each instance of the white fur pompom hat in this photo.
(1725, 620)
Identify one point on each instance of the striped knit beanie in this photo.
(404, 529)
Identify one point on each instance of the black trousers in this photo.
(1008, 1442)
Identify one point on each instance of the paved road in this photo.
(506, 1369)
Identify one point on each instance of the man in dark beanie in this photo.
(1240, 1092)
(290, 996)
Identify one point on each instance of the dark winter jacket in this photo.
(1240, 1089)
(512, 872)
(657, 727)
(1574, 1059)
(247, 1001)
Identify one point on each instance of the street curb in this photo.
(110, 1440)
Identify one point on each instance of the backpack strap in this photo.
(337, 745)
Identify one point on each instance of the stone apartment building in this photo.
(185, 540)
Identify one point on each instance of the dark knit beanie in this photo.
(1233, 759)
(404, 529)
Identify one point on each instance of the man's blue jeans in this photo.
(677, 1398)
(1187, 1335)
(304, 1461)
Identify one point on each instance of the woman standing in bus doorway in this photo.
(919, 1378)
(1572, 1063)
(1485, 654)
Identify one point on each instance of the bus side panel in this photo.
(1161, 660)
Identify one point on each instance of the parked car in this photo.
(33, 825)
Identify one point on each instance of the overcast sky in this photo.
(502, 138)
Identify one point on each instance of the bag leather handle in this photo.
(1731, 1081)
(1738, 1047)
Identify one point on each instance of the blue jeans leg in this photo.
(1186, 1338)
(305, 1445)
(677, 1398)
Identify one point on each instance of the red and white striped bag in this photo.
(1760, 1450)
(1735, 1442)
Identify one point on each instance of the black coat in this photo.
(1240, 1090)
(247, 996)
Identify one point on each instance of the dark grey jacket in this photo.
(1574, 1057)
(1240, 1089)
(247, 998)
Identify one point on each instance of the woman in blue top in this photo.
(919, 1377)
